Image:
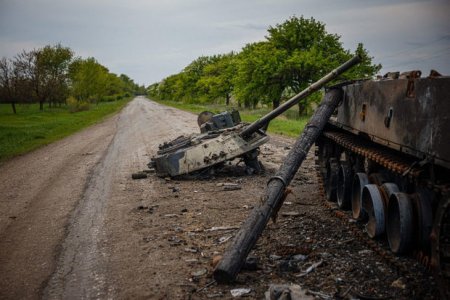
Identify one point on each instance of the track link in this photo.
(383, 157)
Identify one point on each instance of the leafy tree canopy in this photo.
(294, 54)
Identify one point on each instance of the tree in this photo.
(89, 80)
(46, 71)
(216, 80)
(258, 76)
(311, 53)
(10, 84)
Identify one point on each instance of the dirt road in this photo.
(73, 224)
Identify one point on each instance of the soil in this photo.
(74, 224)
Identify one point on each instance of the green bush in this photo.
(76, 106)
(109, 98)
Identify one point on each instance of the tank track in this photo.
(382, 157)
(439, 258)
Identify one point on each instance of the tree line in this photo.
(54, 75)
(294, 54)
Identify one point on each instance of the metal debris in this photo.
(240, 292)
(311, 268)
(286, 292)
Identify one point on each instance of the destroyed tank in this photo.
(385, 155)
(224, 137)
(220, 140)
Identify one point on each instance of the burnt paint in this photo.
(419, 125)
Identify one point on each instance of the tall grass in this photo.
(31, 128)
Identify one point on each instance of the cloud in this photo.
(150, 39)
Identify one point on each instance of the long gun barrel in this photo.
(303, 94)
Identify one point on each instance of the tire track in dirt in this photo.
(39, 191)
(82, 270)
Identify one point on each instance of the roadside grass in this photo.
(31, 128)
(288, 123)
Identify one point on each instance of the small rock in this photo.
(232, 188)
(216, 295)
(192, 250)
(399, 283)
(364, 252)
(227, 184)
(288, 266)
(339, 280)
(299, 257)
(184, 210)
(326, 255)
(224, 239)
(290, 214)
(251, 263)
(175, 241)
(175, 189)
(240, 292)
(170, 215)
(199, 273)
(139, 175)
(284, 292)
(216, 228)
(274, 257)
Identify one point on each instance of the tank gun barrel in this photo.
(303, 94)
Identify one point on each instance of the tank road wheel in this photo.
(323, 152)
(344, 186)
(400, 223)
(424, 213)
(388, 189)
(359, 181)
(331, 179)
(440, 239)
(372, 203)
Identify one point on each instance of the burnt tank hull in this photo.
(415, 123)
(385, 155)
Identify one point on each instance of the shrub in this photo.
(76, 106)
(108, 98)
(83, 105)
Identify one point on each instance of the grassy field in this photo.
(288, 123)
(31, 128)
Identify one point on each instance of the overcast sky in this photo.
(149, 40)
